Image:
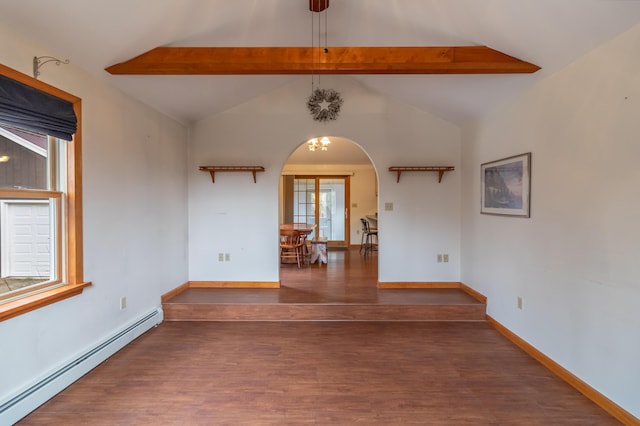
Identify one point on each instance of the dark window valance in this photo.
(25, 107)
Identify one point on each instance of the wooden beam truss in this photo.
(314, 60)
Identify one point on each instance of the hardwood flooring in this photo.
(321, 372)
(344, 289)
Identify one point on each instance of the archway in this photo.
(312, 183)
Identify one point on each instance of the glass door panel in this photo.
(324, 201)
(332, 209)
(304, 202)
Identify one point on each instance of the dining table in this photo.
(306, 228)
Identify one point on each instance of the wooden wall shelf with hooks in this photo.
(439, 169)
(213, 169)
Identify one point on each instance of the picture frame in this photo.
(506, 186)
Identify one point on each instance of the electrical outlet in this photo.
(445, 258)
(388, 207)
(519, 302)
(220, 257)
(123, 303)
(439, 258)
(227, 257)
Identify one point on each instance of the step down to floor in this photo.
(259, 305)
(318, 312)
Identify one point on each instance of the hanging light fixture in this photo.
(323, 104)
(322, 144)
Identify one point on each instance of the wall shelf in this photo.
(213, 169)
(438, 169)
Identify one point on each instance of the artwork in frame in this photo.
(506, 186)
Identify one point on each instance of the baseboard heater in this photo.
(31, 398)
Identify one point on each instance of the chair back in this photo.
(365, 225)
(290, 238)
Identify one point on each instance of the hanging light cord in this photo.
(319, 42)
(326, 31)
(313, 45)
(312, 57)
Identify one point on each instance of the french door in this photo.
(324, 201)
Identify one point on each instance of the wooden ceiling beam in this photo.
(336, 60)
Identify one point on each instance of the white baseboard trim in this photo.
(21, 404)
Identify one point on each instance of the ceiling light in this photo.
(314, 144)
(324, 142)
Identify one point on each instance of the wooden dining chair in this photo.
(291, 244)
(306, 238)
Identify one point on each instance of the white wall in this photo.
(575, 261)
(236, 216)
(135, 232)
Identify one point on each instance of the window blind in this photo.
(28, 108)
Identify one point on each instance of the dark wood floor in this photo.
(324, 373)
(343, 289)
(348, 278)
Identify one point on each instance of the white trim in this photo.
(4, 255)
(23, 142)
(4, 234)
(37, 393)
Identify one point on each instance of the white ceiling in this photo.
(95, 34)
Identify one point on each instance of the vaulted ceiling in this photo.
(95, 35)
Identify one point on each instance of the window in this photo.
(40, 205)
(32, 174)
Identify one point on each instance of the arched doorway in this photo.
(330, 188)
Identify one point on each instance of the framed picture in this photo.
(506, 185)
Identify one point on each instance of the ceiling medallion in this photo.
(324, 104)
